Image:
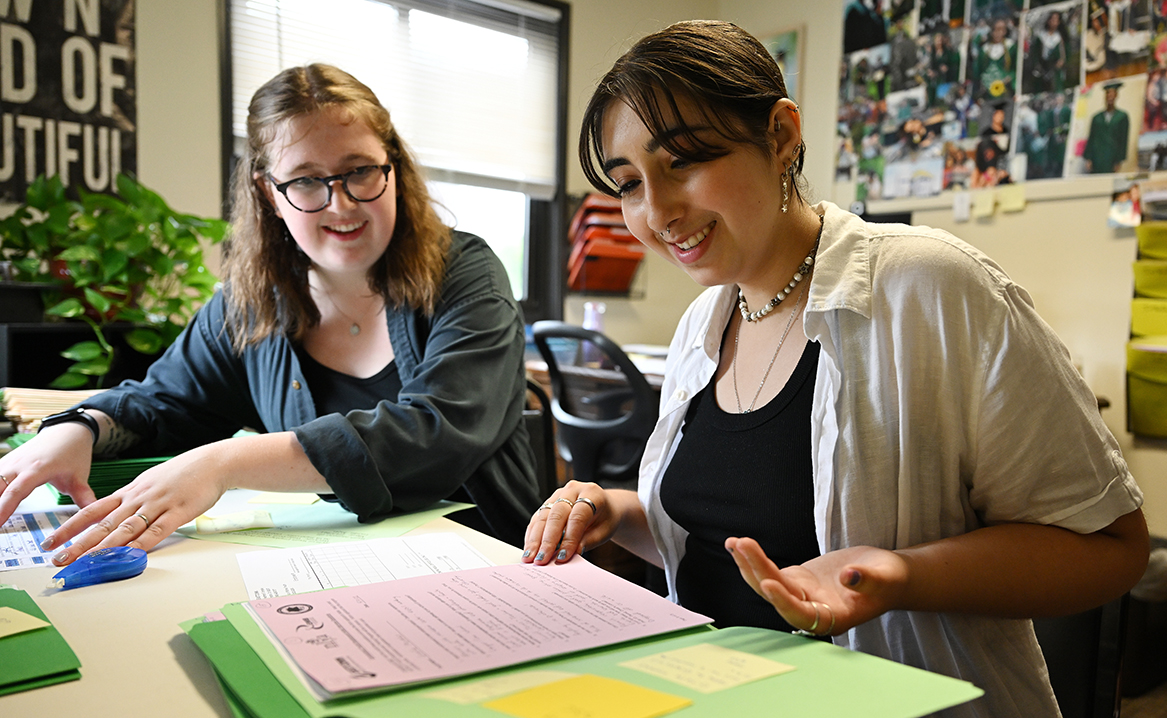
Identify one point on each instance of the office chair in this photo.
(604, 415)
(541, 428)
(1084, 654)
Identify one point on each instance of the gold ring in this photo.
(143, 517)
(586, 501)
(4, 479)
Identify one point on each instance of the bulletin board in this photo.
(939, 95)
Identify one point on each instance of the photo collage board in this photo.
(963, 94)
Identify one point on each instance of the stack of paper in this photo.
(32, 651)
(26, 407)
(381, 649)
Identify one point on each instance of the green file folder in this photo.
(35, 658)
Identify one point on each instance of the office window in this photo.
(474, 86)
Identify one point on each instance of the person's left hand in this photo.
(829, 594)
(146, 510)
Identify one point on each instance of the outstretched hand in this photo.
(829, 594)
(61, 455)
(146, 510)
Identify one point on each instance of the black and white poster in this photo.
(67, 93)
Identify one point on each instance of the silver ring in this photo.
(588, 502)
(815, 625)
(544, 506)
(143, 517)
(563, 501)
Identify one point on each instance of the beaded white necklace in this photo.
(799, 275)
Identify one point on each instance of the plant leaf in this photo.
(69, 380)
(96, 367)
(97, 300)
(145, 341)
(83, 351)
(70, 307)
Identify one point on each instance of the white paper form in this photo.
(292, 571)
(21, 537)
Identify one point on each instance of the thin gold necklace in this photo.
(733, 364)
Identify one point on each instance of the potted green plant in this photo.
(128, 259)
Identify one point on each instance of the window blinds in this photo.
(471, 84)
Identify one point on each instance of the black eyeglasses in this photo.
(312, 194)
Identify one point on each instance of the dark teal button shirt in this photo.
(457, 421)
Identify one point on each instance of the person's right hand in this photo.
(577, 517)
(60, 455)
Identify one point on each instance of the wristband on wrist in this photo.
(75, 414)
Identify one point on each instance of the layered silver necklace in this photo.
(748, 316)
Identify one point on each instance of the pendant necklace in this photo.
(733, 364)
(354, 328)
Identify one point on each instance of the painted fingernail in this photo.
(527, 553)
(853, 578)
(61, 558)
(562, 555)
(539, 556)
(47, 544)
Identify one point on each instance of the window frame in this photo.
(545, 272)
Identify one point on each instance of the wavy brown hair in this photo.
(727, 75)
(265, 272)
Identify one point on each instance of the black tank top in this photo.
(745, 475)
(335, 392)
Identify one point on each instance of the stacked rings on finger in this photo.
(143, 517)
(586, 501)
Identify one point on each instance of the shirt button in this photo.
(681, 395)
(296, 384)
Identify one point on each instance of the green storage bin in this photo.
(1151, 278)
(1152, 239)
(1148, 317)
(1146, 371)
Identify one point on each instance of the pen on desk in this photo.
(101, 565)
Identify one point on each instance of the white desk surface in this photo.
(135, 659)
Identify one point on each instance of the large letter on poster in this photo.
(67, 93)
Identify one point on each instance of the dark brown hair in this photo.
(729, 78)
(266, 273)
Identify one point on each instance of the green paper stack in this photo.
(35, 658)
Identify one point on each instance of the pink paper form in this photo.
(430, 627)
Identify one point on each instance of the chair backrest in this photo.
(604, 407)
(1084, 655)
(541, 428)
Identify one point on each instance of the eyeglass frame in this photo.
(282, 187)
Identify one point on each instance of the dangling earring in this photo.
(785, 191)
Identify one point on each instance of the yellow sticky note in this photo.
(497, 686)
(708, 668)
(280, 497)
(588, 696)
(13, 622)
(1011, 197)
(984, 202)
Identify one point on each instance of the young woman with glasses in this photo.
(378, 352)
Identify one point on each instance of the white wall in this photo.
(178, 105)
